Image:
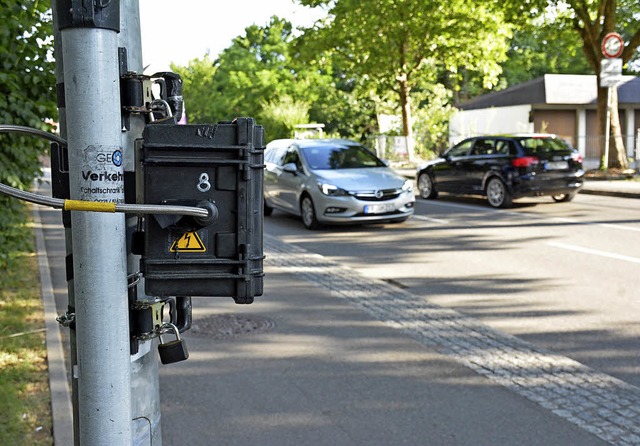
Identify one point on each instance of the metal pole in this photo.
(62, 125)
(145, 386)
(92, 95)
(637, 151)
(607, 130)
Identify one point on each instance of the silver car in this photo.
(333, 181)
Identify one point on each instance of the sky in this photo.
(180, 31)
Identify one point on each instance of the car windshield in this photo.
(327, 157)
(542, 145)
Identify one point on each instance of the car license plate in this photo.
(379, 208)
(557, 165)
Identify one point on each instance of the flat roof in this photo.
(565, 89)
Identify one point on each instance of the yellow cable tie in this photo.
(88, 206)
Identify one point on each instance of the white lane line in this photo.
(604, 225)
(625, 228)
(594, 252)
(467, 207)
(434, 220)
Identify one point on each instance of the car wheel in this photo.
(268, 210)
(563, 198)
(308, 213)
(426, 187)
(497, 194)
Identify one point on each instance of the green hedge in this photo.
(27, 97)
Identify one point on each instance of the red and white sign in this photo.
(612, 45)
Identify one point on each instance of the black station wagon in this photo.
(505, 167)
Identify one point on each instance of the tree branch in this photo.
(587, 46)
(609, 23)
(631, 47)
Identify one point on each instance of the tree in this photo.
(197, 80)
(396, 45)
(261, 75)
(593, 19)
(249, 78)
(540, 46)
(26, 98)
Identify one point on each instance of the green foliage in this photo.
(431, 125)
(197, 80)
(396, 45)
(389, 56)
(26, 97)
(343, 103)
(280, 116)
(253, 69)
(546, 45)
(261, 75)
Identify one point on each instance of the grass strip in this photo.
(25, 406)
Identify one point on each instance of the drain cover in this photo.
(230, 326)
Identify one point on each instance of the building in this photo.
(564, 104)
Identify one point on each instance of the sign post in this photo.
(610, 75)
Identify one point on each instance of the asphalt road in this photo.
(562, 276)
(348, 360)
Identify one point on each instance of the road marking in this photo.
(594, 252)
(468, 207)
(625, 228)
(434, 220)
(604, 225)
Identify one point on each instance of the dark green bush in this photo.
(27, 97)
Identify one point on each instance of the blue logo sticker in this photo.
(117, 158)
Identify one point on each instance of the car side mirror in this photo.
(291, 168)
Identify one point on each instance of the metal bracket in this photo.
(136, 93)
(67, 320)
(104, 14)
(146, 319)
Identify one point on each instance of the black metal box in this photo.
(219, 164)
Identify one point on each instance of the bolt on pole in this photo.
(92, 99)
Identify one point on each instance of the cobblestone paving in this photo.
(601, 404)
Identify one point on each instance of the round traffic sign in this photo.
(612, 45)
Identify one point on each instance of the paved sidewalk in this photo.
(617, 188)
(327, 357)
(341, 363)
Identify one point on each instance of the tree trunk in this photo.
(617, 153)
(407, 125)
(602, 123)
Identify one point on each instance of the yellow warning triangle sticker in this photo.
(189, 242)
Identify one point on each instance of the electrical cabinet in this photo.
(217, 167)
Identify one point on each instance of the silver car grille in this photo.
(377, 195)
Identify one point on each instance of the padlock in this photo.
(173, 351)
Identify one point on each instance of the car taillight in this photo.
(577, 158)
(525, 161)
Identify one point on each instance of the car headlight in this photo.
(331, 190)
(407, 186)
